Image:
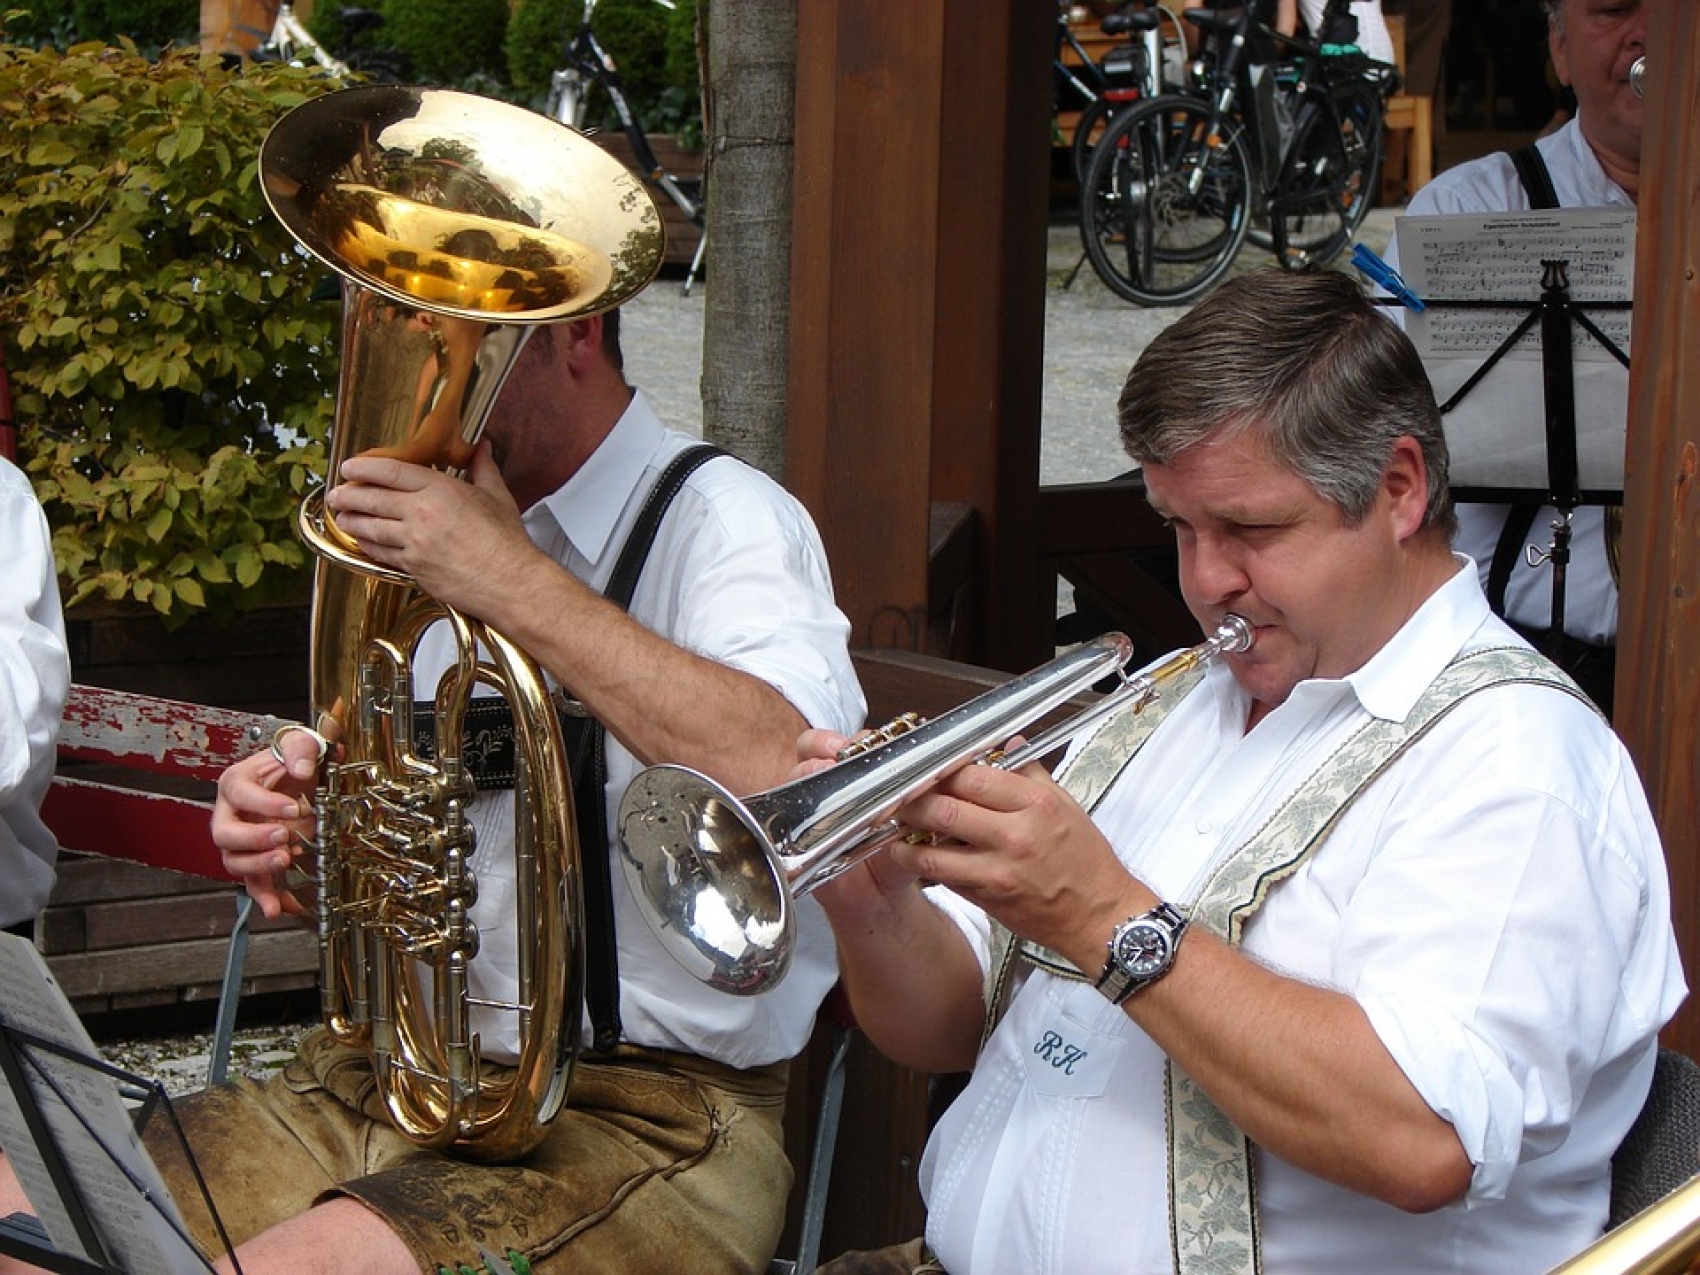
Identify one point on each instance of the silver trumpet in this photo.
(718, 877)
(1638, 76)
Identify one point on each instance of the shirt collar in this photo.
(587, 507)
(1597, 187)
(1391, 681)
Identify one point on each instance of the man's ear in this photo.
(578, 339)
(1560, 59)
(1404, 480)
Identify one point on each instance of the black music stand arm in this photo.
(1558, 379)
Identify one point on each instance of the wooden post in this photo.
(917, 326)
(1658, 669)
(917, 319)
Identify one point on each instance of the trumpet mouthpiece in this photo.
(1234, 634)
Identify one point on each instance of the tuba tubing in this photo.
(457, 225)
(717, 876)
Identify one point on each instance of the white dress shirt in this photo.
(1496, 902)
(736, 574)
(1491, 184)
(35, 677)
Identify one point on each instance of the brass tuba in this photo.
(457, 224)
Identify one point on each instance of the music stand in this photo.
(1499, 284)
(1554, 316)
(102, 1207)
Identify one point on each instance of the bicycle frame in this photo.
(588, 64)
(289, 34)
(1087, 77)
(1248, 99)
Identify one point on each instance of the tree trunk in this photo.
(748, 89)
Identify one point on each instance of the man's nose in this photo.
(1215, 571)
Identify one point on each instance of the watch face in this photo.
(1142, 949)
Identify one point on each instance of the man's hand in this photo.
(870, 884)
(1018, 846)
(263, 819)
(463, 541)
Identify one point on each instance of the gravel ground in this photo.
(179, 1061)
(1091, 339)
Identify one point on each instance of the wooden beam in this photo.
(1658, 669)
(918, 252)
(863, 304)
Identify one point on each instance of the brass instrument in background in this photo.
(457, 224)
(717, 877)
(1662, 1239)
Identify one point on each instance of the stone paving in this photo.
(1091, 340)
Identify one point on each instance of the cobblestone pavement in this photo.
(1091, 340)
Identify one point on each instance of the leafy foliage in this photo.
(171, 371)
(654, 47)
(446, 43)
(152, 24)
(535, 41)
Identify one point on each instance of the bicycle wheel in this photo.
(1328, 179)
(1162, 211)
(1094, 119)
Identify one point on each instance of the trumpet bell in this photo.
(714, 894)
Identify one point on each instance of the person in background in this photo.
(1593, 161)
(1372, 914)
(1371, 37)
(35, 678)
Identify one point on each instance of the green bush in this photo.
(151, 24)
(654, 48)
(537, 37)
(446, 43)
(171, 373)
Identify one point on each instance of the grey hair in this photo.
(1309, 363)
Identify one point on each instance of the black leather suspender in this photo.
(492, 766)
(586, 741)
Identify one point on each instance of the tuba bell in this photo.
(457, 225)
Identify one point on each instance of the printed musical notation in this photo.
(133, 1214)
(1502, 257)
(1497, 427)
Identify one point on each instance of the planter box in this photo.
(256, 662)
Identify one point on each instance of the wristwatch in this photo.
(1141, 951)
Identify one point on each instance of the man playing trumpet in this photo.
(1374, 916)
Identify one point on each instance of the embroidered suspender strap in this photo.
(586, 745)
(1212, 1201)
(1086, 776)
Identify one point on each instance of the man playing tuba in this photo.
(668, 1154)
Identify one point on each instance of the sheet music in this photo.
(116, 1180)
(1497, 257)
(1497, 432)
